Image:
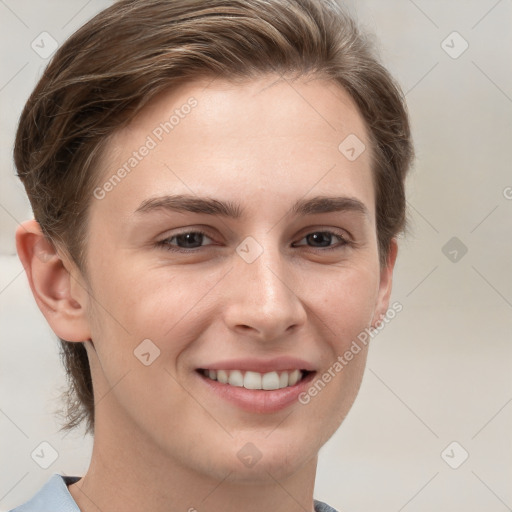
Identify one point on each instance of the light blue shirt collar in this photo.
(54, 496)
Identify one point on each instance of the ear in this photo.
(58, 287)
(385, 285)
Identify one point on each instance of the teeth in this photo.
(236, 378)
(270, 381)
(222, 376)
(252, 380)
(294, 377)
(255, 380)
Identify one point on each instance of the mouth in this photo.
(268, 381)
(255, 392)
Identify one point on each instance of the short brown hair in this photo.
(111, 67)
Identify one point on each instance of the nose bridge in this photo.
(265, 301)
(265, 278)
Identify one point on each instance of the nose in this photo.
(264, 298)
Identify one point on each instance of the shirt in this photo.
(54, 496)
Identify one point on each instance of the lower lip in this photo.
(259, 400)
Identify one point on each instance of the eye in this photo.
(324, 239)
(188, 240)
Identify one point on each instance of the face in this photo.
(240, 245)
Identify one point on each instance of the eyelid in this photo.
(183, 231)
(342, 233)
(163, 241)
(336, 232)
(344, 240)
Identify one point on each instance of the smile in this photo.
(255, 380)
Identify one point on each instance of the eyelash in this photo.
(164, 244)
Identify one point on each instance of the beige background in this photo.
(440, 371)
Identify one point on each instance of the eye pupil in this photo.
(320, 237)
(189, 239)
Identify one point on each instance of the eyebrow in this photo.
(230, 209)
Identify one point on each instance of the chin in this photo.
(277, 454)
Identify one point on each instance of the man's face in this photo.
(268, 287)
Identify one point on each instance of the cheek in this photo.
(347, 304)
(344, 309)
(169, 309)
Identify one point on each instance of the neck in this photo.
(128, 473)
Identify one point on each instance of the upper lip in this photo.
(260, 365)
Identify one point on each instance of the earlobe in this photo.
(385, 285)
(49, 278)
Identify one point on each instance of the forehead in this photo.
(263, 139)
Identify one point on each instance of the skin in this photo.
(161, 441)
